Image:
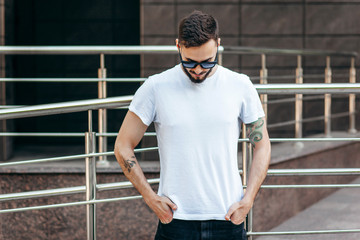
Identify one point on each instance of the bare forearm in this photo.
(259, 138)
(258, 171)
(132, 170)
(130, 134)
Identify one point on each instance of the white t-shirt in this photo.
(198, 126)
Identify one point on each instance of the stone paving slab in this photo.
(340, 210)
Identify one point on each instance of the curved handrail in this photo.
(127, 184)
(86, 50)
(308, 88)
(114, 102)
(65, 107)
(91, 50)
(277, 51)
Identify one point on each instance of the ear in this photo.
(219, 40)
(177, 44)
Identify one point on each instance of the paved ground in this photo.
(341, 210)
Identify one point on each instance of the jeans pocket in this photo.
(239, 228)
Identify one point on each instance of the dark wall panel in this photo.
(39, 22)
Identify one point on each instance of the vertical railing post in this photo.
(327, 101)
(244, 161)
(102, 113)
(220, 58)
(90, 176)
(244, 155)
(299, 103)
(250, 215)
(4, 148)
(352, 79)
(263, 80)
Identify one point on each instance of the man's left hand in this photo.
(238, 211)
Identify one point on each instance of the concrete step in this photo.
(340, 211)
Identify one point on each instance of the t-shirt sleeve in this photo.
(143, 103)
(251, 109)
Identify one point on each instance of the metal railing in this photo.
(104, 103)
(264, 78)
(91, 187)
(102, 76)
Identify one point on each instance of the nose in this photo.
(198, 69)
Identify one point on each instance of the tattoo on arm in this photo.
(128, 164)
(254, 131)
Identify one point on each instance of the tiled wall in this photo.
(330, 25)
(325, 25)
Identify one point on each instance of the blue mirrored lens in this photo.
(189, 64)
(205, 65)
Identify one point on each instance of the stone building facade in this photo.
(295, 24)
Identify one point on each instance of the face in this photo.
(202, 54)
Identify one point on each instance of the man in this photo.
(197, 108)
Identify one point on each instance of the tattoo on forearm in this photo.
(254, 131)
(128, 164)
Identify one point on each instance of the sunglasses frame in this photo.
(200, 63)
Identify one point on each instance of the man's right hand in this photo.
(163, 207)
(130, 134)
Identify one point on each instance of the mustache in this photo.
(201, 73)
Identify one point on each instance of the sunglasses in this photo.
(204, 64)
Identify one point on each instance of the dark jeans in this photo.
(200, 230)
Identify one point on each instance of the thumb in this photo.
(171, 204)
(232, 209)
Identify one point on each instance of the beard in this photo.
(197, 80)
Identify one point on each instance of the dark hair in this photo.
(197, 29)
